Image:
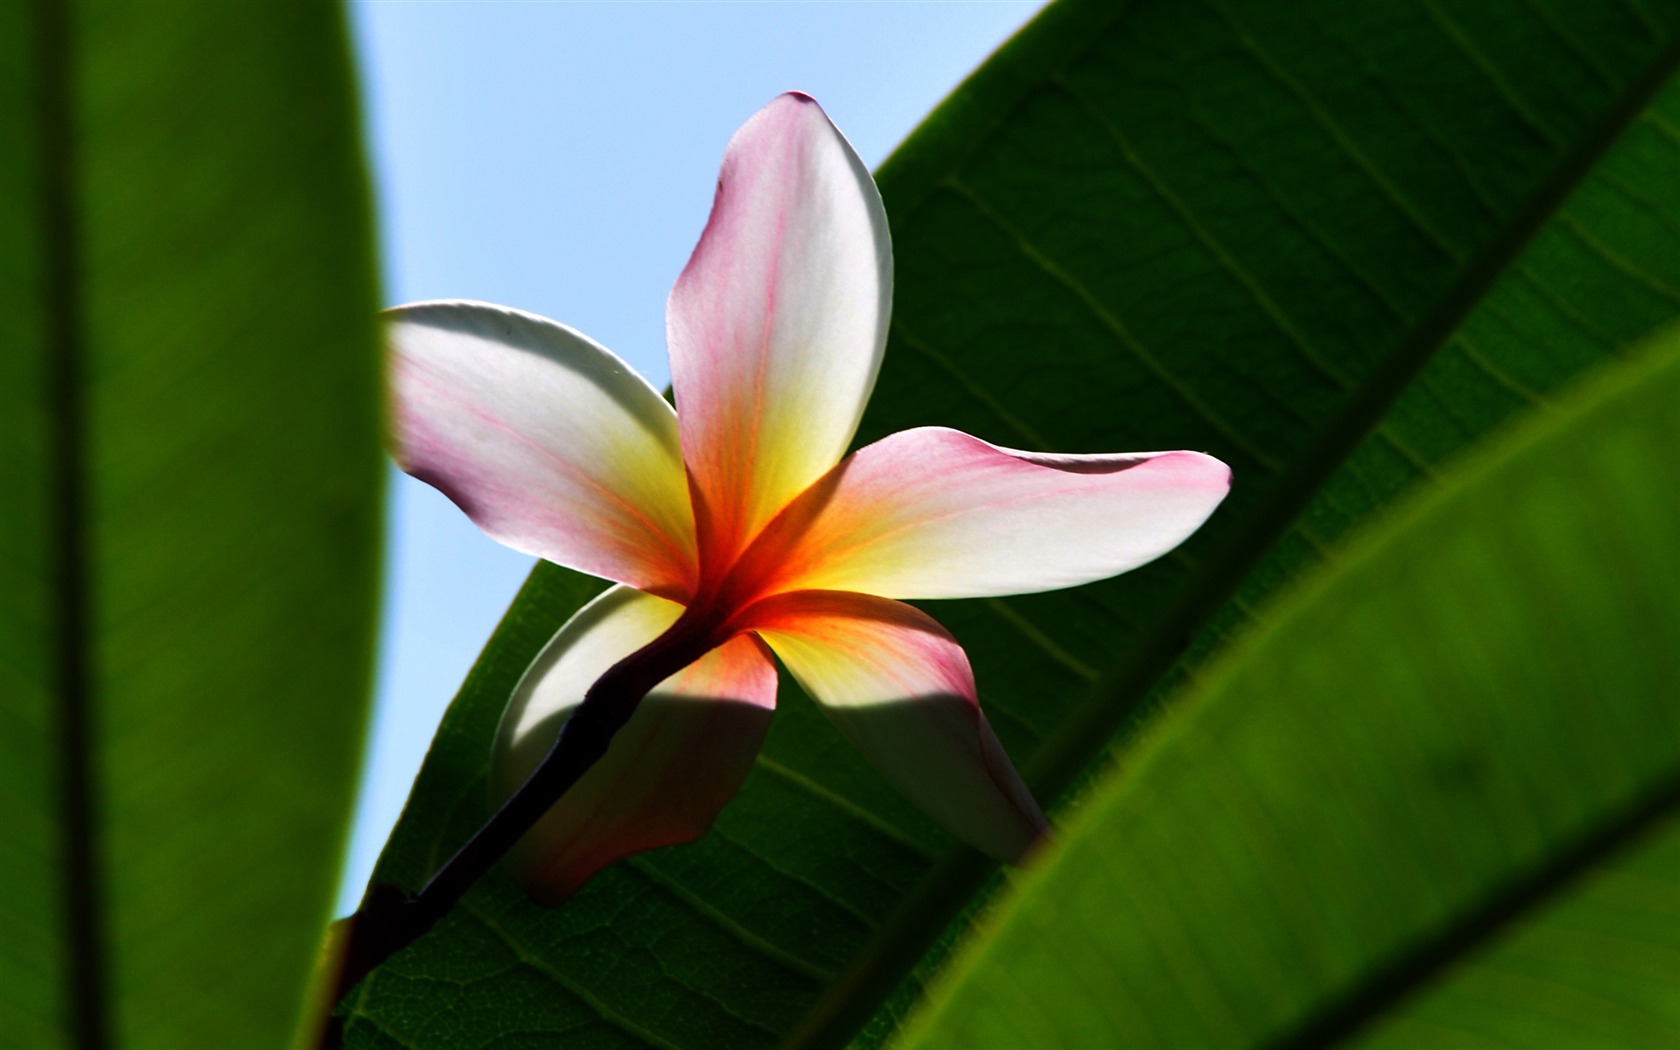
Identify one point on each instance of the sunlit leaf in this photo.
(189, 456)
(1435, 803)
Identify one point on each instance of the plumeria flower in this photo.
(739, 515)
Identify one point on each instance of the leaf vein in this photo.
(725, 922)
(1049, 645)
(1490, 73)
(1031, 438)
(1617, 260)
(1339, 135)
(845, 805)
(1274, 312)
(559, 977)
(1474, 355)
(1121, 333)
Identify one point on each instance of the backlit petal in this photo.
(900, 688)
(777, 324)
(550, 443)
(935, 513)
(669, 771)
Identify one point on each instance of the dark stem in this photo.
(388, 922)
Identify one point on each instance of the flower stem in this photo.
(388, 922)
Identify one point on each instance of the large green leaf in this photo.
(1434, 802)
(1287, 234)
(189, 453)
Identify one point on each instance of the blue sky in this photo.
(559, 157)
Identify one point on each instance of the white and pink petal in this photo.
(674, 765)
(936, 513)
(900, 688)
(549, 442)
(777, 324)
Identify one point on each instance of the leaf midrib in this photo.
(86, 1012)
(1110, 704)
(1390, 986)
(86, 1015)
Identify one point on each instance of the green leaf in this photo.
(1334, 244)
(189, 449)
(1434, 802)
